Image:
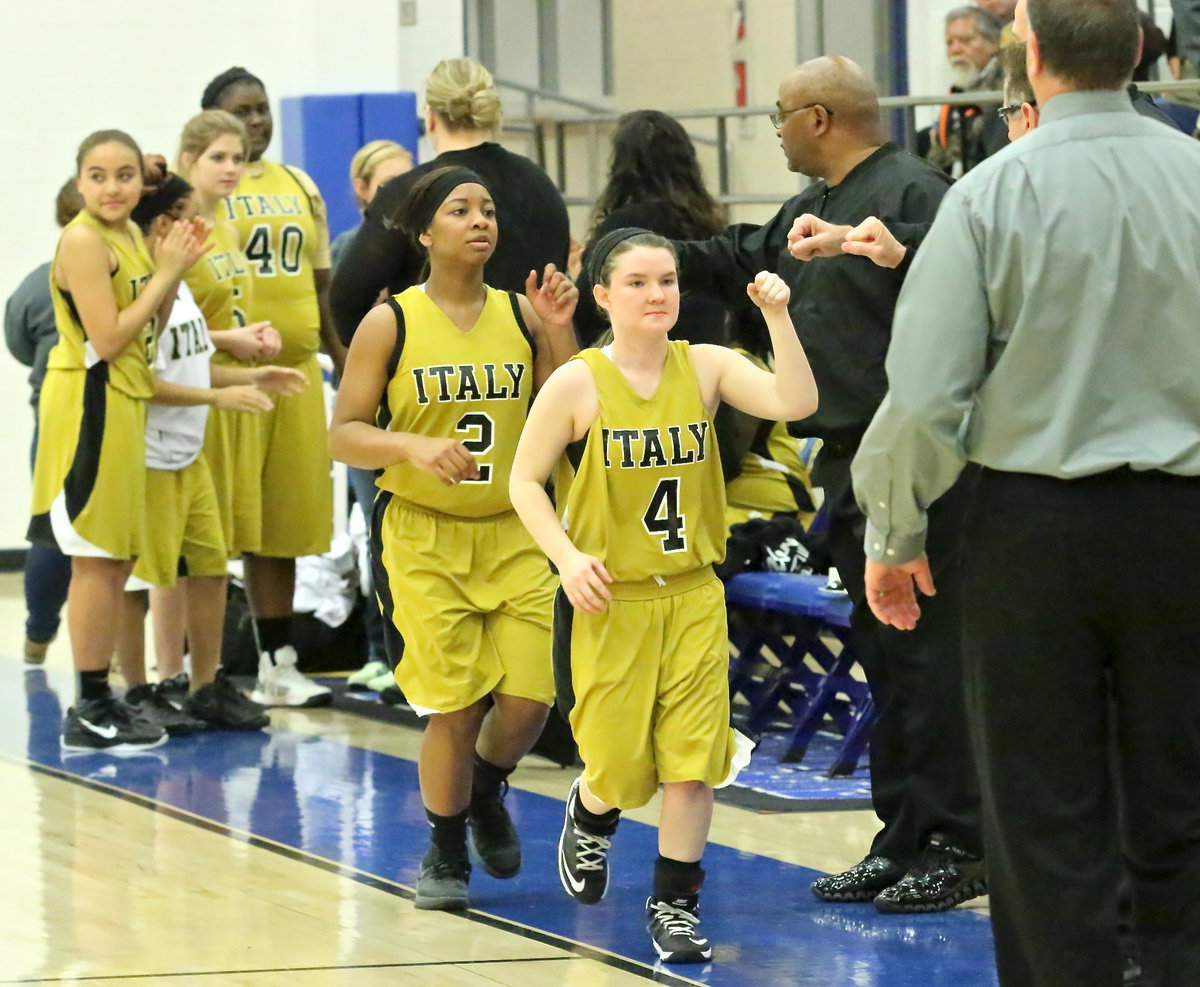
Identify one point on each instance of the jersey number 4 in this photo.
(662, 517)
(271, 255)
(483, 436)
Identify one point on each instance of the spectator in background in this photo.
(654, 182)
(31, 332)
(462, 118)
(965, 135)
(374, 164)
(1187, 34)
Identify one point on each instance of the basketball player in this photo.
(447, 368)
(639, 625)
(280, 218)
(89, 479)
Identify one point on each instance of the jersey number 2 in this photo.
(482, 440)
(662, 517)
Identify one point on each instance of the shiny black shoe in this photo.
(943, 876)
(862, 882)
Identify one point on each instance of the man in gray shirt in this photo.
(1047, 332)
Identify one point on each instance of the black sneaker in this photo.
(442, 881)
(175, 689)
(108, 725)
(222, 705)
(944, 876)
(673, 924)
(493, 836)
(582, 856)
(150, 705)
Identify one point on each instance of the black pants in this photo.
(922, 773)
(1082, 632)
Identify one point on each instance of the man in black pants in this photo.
(927, 856)
(1063, 362)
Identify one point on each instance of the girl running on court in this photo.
(640, 636)
(436, 390)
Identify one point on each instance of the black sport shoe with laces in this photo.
(222, 705)
(944, 875)
(175, 689)
(582, 856)
(674, 929)
(442, 880)
(493, 836)
(108, 725)
(149, 704)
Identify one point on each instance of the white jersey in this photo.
(174, 433)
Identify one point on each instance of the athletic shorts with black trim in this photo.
(183, 535)
(89, 477)
(471, 599)
(647, 687)
(297, 489)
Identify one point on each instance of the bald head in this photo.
(840, 84)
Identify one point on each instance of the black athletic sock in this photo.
(487, 780)
(448, 832)
(604, 824)
(677, 878)
(273, 632)
(94, 685)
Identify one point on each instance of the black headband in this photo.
(161, 200)
(605, 245)
(230, 77)
(435, 193)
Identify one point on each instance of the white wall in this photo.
(69, 69)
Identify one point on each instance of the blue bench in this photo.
(780, 625)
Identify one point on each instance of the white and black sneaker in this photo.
(108, 725)
(582, 856)
(280, 682)
(674, 929)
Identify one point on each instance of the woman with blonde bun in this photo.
(374, 164)
(462, 119)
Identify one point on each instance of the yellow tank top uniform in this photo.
(279, 217)
(648, 497)
(89, 475)
(221, 284)
(474, 386)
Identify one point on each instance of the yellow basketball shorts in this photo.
(234, 447)
(183, 534)
(297, 489)
(471, 599)
(650, 678)
(89, 477)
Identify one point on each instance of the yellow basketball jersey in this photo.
(648, 497)
(773, 473)
(130, 371)
(280, 222)
(220, 281)
(473, 386)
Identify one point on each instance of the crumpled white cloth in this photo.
(327, 586)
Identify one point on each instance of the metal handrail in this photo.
(597, 115)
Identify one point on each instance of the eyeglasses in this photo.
(1008, 109)
(779, 116)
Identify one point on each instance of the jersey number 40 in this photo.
(271, 254)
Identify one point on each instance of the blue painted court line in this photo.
(362, 810)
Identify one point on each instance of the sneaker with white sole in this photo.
(582, 856)
(107, 726)
(674, 929)
(361, 680)
(280, 682)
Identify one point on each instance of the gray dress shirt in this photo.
(1051, 320)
